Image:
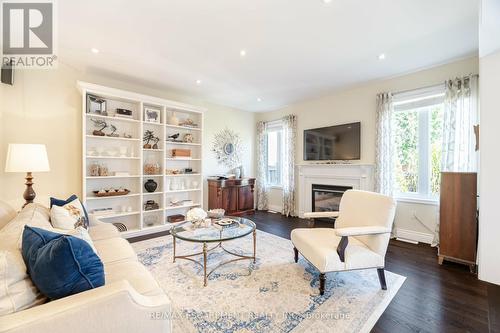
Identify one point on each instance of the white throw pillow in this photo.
(82, 233)
(17, 292)
(67, 216)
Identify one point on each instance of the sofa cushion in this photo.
(17, 292)
(7, 213)
(101, 230)
(60, 265)
(319, 247)
(136, 274)
(114, 249)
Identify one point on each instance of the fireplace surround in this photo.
(348, 176)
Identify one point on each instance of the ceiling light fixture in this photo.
(94, 50)
(327, 1)
(381, 56)
(243, 53)
(259, 99)
(198, 82)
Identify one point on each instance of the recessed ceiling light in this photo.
(243, 53)
(259, 99)
(198, 82)
(327, 1)
(94, 50)
(381, 56)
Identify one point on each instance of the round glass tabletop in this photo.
(214, 233)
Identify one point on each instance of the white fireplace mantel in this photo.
(357, 176)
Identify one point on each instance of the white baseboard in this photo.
(274, 208)
(415, 236)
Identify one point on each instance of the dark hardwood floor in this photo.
(433, 298)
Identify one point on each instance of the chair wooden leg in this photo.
(381, 277)
(296, 254)
(322, 279)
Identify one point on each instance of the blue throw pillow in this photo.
(61, 202)
(60, 265)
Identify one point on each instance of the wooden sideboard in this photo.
(235, 196)
(458, 218)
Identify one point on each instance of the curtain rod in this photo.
(427, 87)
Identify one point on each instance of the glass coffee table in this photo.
(214, 234)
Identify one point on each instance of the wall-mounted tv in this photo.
(340, 142)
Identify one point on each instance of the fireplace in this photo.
(326, 198)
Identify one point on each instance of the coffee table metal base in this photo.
(205, 251)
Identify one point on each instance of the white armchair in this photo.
(358, 241)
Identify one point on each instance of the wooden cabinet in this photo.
(458, 218)
(235, 196)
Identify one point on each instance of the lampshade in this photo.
(26, 158)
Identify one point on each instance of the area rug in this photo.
(273, 295)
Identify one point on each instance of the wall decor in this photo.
(227, 147)
(151, 115)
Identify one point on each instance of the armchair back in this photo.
(362, 209)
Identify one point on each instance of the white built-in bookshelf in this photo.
(118, 161)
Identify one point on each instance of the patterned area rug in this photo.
(272, 295)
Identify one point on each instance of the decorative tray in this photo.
(111, 193)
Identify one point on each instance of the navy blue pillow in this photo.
(60, 203)
(60, 265)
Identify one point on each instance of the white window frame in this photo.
(407, 101)
(276, 126)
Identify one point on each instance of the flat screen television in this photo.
(340, 142)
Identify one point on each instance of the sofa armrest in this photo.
(116, 307)
(361, 231)
(317, 215)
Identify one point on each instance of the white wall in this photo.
(358, 104)
(44, 106)
(489, 178)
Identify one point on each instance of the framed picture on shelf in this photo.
(151, 115)
(96, 105)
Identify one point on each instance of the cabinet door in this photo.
(230, 199)
(245, 198)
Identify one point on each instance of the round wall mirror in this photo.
(229, 148)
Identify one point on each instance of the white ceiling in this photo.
(296, 49)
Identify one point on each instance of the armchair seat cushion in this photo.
(319, 247)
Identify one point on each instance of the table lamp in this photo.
(27, 158)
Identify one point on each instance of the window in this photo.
(274, 155)
(417, 131)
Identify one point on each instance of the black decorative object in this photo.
(120, 226)
(150, 185)
(151, 205)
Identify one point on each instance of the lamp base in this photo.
(29, 194)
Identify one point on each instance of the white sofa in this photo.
(130, 301)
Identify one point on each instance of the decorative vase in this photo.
(173, 120)
(237, 173)
(150, 185)
(242, 172)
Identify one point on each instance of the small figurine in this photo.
(113, 130)
(101, 124)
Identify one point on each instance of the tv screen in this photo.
(341, 142)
